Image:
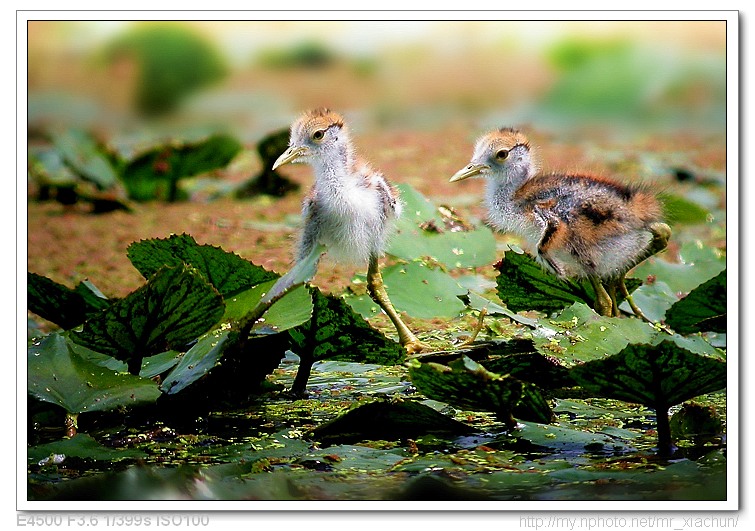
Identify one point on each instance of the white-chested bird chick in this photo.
(351, 207)
(580, 226)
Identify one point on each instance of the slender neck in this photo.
(503, 213)
(504, 184)
(332, 169)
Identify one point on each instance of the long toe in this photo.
(414, 347)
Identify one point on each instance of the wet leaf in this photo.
(564, 438)
(290, 311)
(478, 302)
(174, 308)
(423, 292)
(158, 364)
(297, 276)
(694, 343)
(61, 305)
(704, 309)
(423, 232)
(197, 361)
(583, 335)
(227, 272)
(83, 446)
(383, 420)
(523, 284)
(345, 457)
(468, 385)
(658, 376)
(697, 265)
(59, 376)
(335, 331)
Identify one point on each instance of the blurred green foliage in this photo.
(618, 78)
(174, 61)
(303, 54)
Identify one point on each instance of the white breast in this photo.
(353, 227)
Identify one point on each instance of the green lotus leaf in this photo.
(58, 375)
(175, 307)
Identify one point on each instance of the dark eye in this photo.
(502, 154)
(317, 135)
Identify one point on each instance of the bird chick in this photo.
(351, 207)
(581, 226)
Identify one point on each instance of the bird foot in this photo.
(414, 347)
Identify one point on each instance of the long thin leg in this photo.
(603, 303)
(630, 300)
(477, 328)
(377, 291)
(661, 235)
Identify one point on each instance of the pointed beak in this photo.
(468, 171)
(290, 155)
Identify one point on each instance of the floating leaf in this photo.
(704, 309)
(694, 343)
(61, 305)
(423, 292)
(414, 288)
(382, 420)
(154, 175)
(583, 335)
(269, 181)
(423, 232)
(658, 376)
(103, 360)
(227, 272)
(82, 446)
(467, 384)
(59, 376)
(175, 307)
(565, 439)
(302, 272)
(698, 264)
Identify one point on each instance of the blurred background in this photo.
(115, 107)
(255, 76)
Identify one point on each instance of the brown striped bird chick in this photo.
(351, 207)
(581, 226)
